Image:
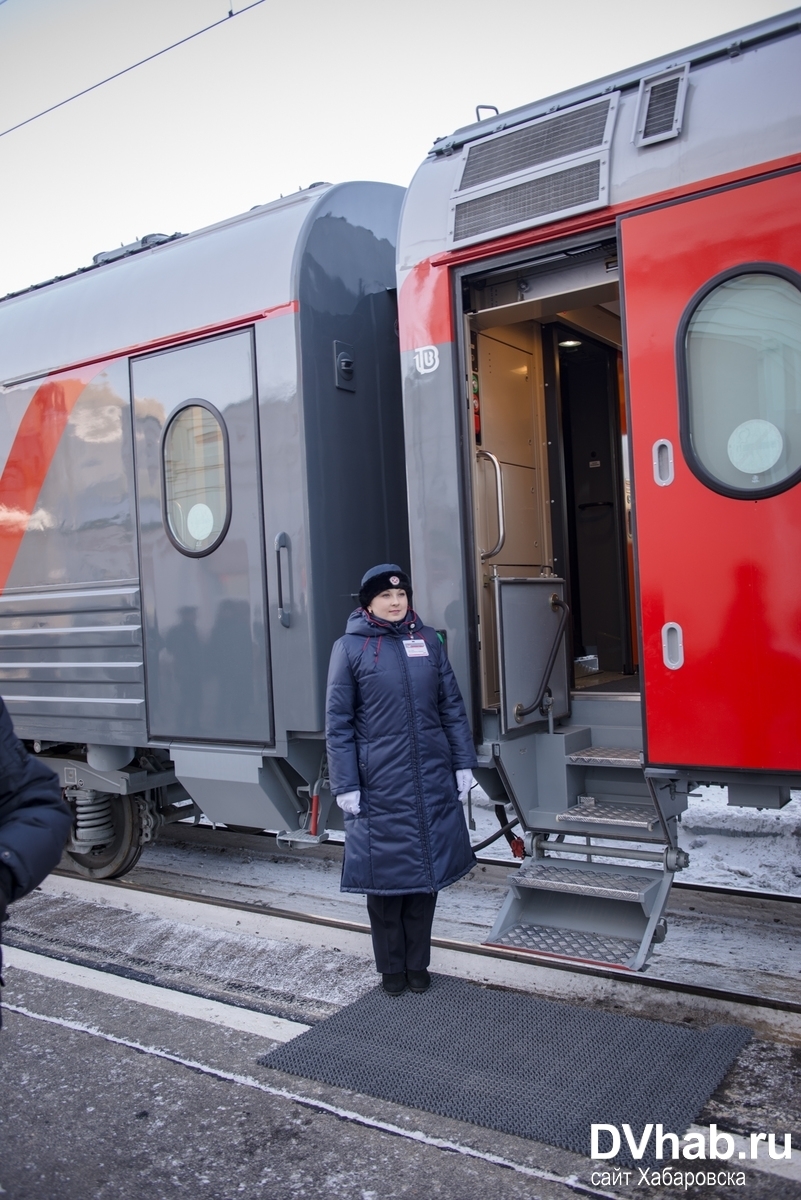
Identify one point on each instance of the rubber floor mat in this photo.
(539, 1069)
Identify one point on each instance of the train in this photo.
(558, 376)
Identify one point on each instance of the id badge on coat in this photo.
(415, 648)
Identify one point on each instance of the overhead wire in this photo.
(93, 87)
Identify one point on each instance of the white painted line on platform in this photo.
(526, 976)
(344, 1114)
(181, 1003)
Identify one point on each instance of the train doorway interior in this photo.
(551, 493)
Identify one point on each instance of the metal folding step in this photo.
(599, 896)
(600, 912)
(606, 756)
(590, 811)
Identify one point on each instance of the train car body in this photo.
(202, 447)
(600, 318)
(598, 392)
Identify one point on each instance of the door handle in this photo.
(281, 543)
(496, 549)
(597, 504)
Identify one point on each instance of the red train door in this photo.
(712, 290)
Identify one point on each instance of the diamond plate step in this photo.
(579, 880)
(606, 756)
(570, 943)
(590, 811)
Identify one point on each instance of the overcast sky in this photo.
(288, 93)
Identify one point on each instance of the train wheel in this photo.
(125, 823)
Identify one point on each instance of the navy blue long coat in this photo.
(34, 820)
(396, 729)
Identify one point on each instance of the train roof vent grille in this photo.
(548, 139)
(660, 106)
(551, 194)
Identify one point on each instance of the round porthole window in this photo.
(739, 354)
(197, 507)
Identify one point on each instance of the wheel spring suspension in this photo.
(94, 819)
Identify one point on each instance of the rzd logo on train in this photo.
(426, 359)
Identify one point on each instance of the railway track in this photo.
(577, 976)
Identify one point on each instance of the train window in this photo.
(740, 377)
(197, 508)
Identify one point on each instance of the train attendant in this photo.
(400, 754)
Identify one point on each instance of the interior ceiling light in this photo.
(570, 343)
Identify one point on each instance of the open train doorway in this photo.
(550, 477)
(589, 421)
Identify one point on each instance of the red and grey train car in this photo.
(600, 314)
(599, 311)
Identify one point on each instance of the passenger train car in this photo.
(597, 415)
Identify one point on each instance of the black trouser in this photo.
(401, 929)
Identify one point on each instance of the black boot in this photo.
(395, 984)
(418, 981)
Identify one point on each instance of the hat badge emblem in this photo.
(394, 580)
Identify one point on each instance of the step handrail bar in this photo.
(520, 710)
(496, 466)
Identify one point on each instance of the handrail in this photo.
(520, 711)
(496, 549)
(281, 543)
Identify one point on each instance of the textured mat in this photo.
(539, 1069)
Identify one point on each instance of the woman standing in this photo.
(400, 754)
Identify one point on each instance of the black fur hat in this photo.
(380, 579)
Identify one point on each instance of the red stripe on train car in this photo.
(176, 339)
(424, 303)
(29, 461)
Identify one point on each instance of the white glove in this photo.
(464, 782)
(349, 802)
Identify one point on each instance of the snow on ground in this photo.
(733, 847)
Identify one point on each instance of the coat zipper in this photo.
(416, 751)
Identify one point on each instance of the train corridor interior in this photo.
(546, 374)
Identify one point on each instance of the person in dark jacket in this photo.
(400, 759)
(34, 820)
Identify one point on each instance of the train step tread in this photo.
(602, 880)
(590, 811)
(570, 943)
(607, 756)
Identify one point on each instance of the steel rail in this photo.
(620, 974)
(511, 864)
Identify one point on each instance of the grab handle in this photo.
(496, 549)
(539, 701)
(281, 543)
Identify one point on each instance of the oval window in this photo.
(740, 366)
(196, 484)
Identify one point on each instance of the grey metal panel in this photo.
(205, 638)
(71, 665)
(353, 444)
(436, 513)
(527, 626)
(232, 269)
